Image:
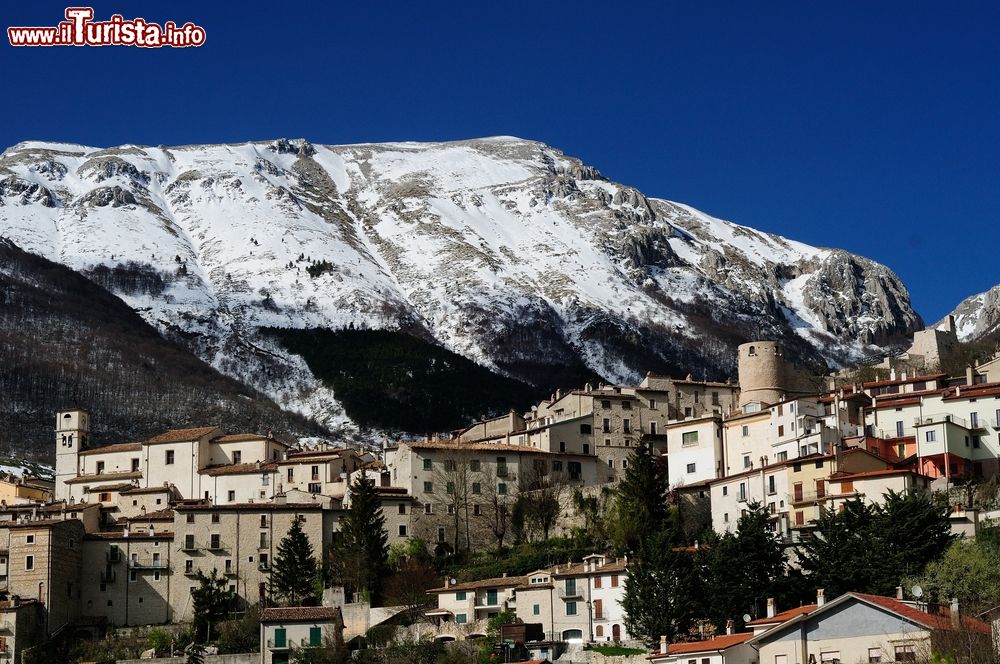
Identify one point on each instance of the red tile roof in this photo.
(182, 435)
(875, 473)
(784, 616)
(106, 477)
(299, 614)
(718, 643)
(238, 469)
(899, 381)
(941, 621)
(242, 438)
(108, 449)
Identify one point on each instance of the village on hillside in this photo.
(194, 527)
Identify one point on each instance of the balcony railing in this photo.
(190, 546)
(570, 593)
(190, 571)
(940, 418)
(154, 564)
(807, 496)
(108, 576)
(216, 546)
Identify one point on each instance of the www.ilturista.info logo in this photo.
(80, 29)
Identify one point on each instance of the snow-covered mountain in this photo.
(503, 250)
(978, 316)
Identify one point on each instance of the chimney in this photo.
(820, 597)
(956, 619)
(899, 592)
(729, 627)
(969, 376)
(663, 645)
(770, 607)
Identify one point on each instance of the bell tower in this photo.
(72, 432)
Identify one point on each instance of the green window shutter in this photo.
(460, 596)
(315, 636)
(280, 639)
(536, 609)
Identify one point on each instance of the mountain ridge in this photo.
(506, 251)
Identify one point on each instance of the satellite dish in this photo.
(746, 617)
(917, 591)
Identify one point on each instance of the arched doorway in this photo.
(616, 632)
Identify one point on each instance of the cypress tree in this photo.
(295, 569)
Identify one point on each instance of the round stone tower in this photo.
(763, 372)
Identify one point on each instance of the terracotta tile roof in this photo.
(106, 477)
(334, 451)
(784, 616)
(880, 405)
(914, 379)
(108, 449)
(941, 621)
(972, 391)
(181, 435)
(243, 438)
(299, 613)
(497, 582)
(578, 569)
(138, 490)
(495, 447)
(718, 643)
(109, 487)
(159, 515)
(238, 469)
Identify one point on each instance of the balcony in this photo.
(285, 644)
(154, 564)
(941, 418)
(264, 567)
(801, 497)
(109, 576)
(487, 603)
(190, 547)
(216, 547)
(190, 571)
(570, 593)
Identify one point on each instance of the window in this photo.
(314, 472)
(874, 655)
(626, 405)
(477, 510)
(570, 608)
(586, 428)
(715, 399)
(237, 457)
(899, 428)
(428, 487)
(743, 491)
(746, 461)
(611, 464)
(652, 428)
(501, 466)
(215, 517)
(231, 496)
(189, 541)
(974, 420)
(689, 438)
(263, 521)
(725, 491)
(627, 425)
(562, 446)
(477, 488)
(402, 530)
(491, 598)
(291, 475)
(475, 465)
(606, 425)
(906, 653)
(402, 508)
(450, 465)
(428, 508)
(188, 565)
(169, 457)
(263, 541)
(586, 448)
(598, 581)
(690, 468)
(781, 429)
(930, 436)
(315, 636)
(29, 562)
(605, 404)
(460, 596)
(215, 542)
(460, 618)
(614, 580)
(746, 431)
(771, 489)
(450, 488)
(428, 464)
(536, 609)
(652, 404)
(100, 467)
(502, 489)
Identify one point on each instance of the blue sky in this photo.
(867, 126)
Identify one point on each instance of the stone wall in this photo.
(241, 658)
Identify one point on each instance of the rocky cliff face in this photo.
(978, 317)
(506, 251)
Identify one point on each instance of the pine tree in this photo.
(295, 568)
(211, 602)
(360, 558)
(641, 500)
